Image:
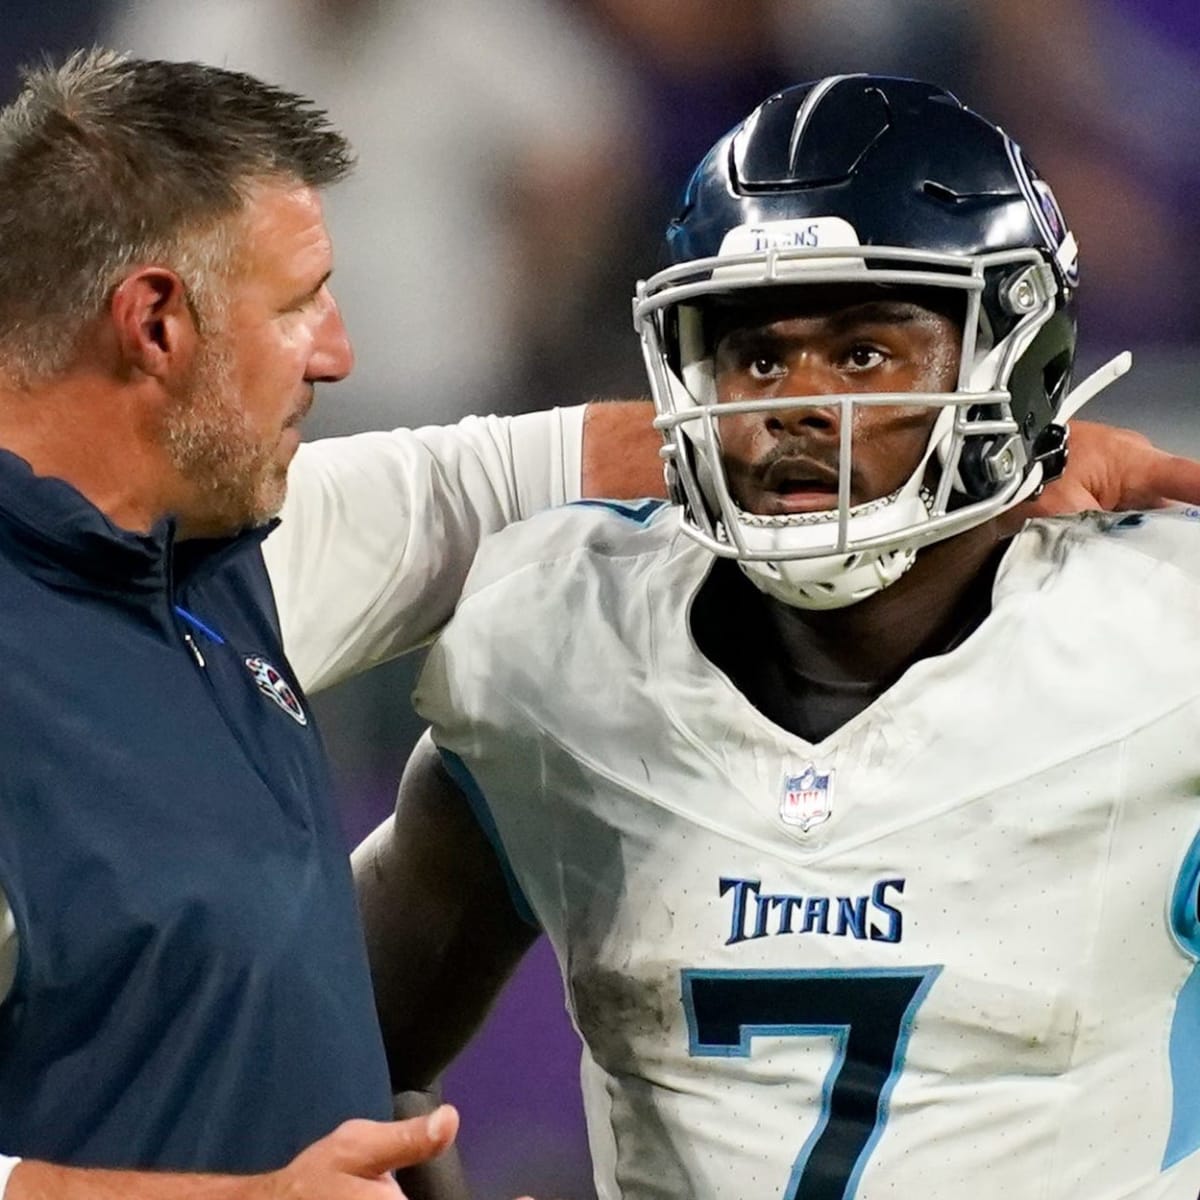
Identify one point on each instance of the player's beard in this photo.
(235, 479)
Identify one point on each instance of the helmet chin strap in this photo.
(1095, 383)
(809, 584)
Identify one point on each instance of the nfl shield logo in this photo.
(807, 798)
(275, 687)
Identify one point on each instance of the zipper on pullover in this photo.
(191, 644)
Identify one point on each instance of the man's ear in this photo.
(153, 323)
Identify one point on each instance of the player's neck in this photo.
(930, 609)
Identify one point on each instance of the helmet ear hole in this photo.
(1056, 376)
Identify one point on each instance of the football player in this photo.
(866, 832)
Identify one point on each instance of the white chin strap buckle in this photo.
(1093, 385)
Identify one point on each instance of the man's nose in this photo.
(332, 354)
(812, 419)
(808, 383)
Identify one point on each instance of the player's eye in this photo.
(863, 356)
(765, 366)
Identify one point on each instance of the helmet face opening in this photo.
(860, 186)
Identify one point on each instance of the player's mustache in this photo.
(795, 459)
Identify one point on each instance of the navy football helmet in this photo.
(870, 180)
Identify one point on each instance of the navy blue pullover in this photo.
(192, 991)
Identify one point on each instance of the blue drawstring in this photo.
(197, 624)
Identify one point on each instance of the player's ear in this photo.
(153, 322)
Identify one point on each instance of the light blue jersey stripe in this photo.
(639, 513)
(461, 774)
(1184, 1137)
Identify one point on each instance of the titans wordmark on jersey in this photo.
(973, 975)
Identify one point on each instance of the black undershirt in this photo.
(735, 630)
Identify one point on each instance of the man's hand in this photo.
(1113, 469)
(355, 1161)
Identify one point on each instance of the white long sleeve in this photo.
(6, 1169)
(379, 530)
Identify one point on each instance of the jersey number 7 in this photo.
(868, 1013)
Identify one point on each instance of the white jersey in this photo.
(948, 951)
(379, 529)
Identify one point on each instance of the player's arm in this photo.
(442, 931)
(443, 934)
(621, 447)
(378, 530)
(352, 1163)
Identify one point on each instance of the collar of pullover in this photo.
(58, 533)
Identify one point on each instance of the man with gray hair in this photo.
(183, 972)
(183, 977)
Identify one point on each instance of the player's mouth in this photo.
(796, 486)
